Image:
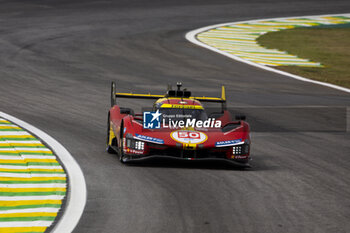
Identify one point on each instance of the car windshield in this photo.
(176, 114)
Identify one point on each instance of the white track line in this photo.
(19, 149)
(27, 224)
(33, 210)
(11, 157)
(51, 185)
(30, 167)
(76, 197)
(191, 36)
(15, 133)
(30, 175)
(21, 142)
(31, 198)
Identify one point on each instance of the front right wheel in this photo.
(121, 147)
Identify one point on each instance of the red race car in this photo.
(177, 126)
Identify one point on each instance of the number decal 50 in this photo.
(193, 137)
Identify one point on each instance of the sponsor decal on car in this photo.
(151, 120)
(182, 106)
(229, 143)
(133, 151)
(209, 123)
(239, 156)
(149, 139)
(157, 120)
(188, 137)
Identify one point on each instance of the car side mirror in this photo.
(240, 117)
(127, 111)
(215, 115)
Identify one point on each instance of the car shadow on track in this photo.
(197, 164)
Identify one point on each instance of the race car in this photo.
(177, 126)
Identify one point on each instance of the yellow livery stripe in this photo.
(181, 106)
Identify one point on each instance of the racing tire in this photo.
(121, 147)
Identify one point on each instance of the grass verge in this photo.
(328, 45)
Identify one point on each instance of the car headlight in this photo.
(237, 150)
(139, 145)
(240, 149)
(135, 144)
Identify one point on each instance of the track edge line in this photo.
(191, 36)
(77, 194)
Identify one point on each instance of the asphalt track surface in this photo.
(57, 59)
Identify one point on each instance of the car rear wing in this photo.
(170, 93)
